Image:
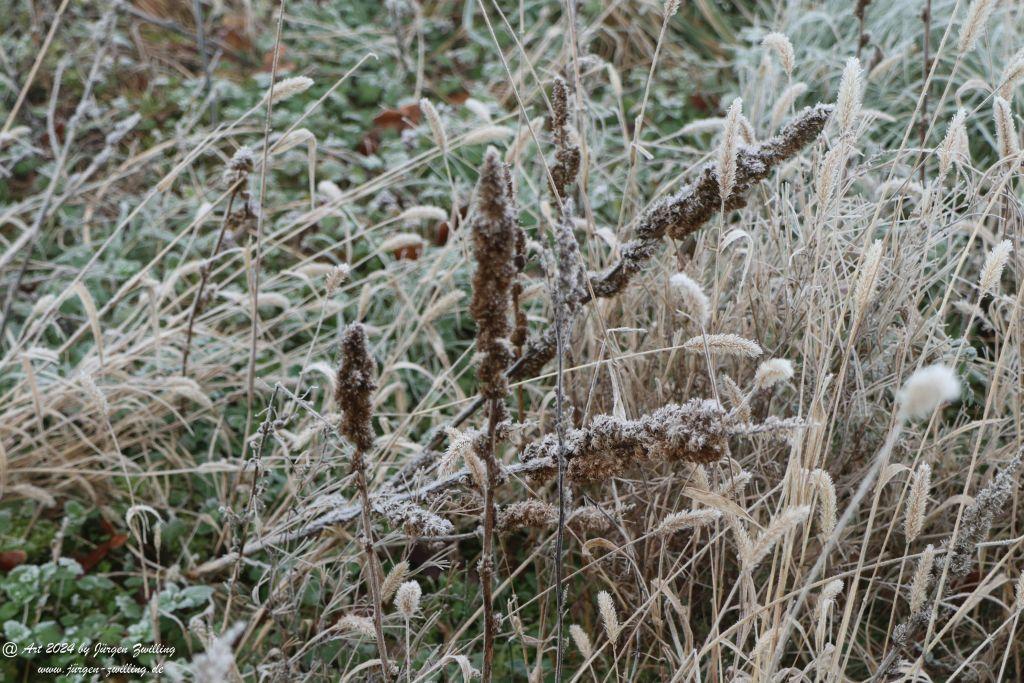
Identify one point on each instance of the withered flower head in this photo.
(355, 386)
(494, 239)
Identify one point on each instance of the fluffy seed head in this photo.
(995, 262)
(850, 100)
(423, 213)
(922, 579)
(954, 147)
(687, 519)
(609, 616)
(692, 299)
(832, 589)
(407, 599)
(974, 24)
(868, 276)
(917, 502)
(1018, 593)
(780, 44)
(724, 345)
(927, 389)
(289, 87)
(582, 640)
(434, 121)
(727, 150)
(826, 490)
(1012, 75)
(773, 371)
(393, 580)
(1006, 130)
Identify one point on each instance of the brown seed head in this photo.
(355, 386)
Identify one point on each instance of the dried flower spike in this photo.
(494, 236)
(727, 150)
(407, 599)
(434, 121)
(692, 299)
(850, 100)
(289, 87)
(582, 640)
(355, 386)
(780, 44)
(992, 270)
(724, 344)
(974, 24)
(1006, 131)
(609, 616)
(917, 502)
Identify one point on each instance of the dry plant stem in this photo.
(258, 251)
(808, 580)
(926, 18)
(203, 278)
(560, 533)
(487, 559)
(373, 563)
(265, 430)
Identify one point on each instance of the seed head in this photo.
(780, 44)
(727, 150)
(692, 299)
(355, 386)
(926, 390)
(289, 87)
(407, 599)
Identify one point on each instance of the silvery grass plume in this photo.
(727, 150)
(407, 599)
(954, 148)
(753, 551)
(288, 88)
(851, 95)
(582, 640)
(691, 297)
(609, 616)
(395, 578)
(974, 25)
(724, 345)
(434, 122)
(992, 270)
(1007, 142)
(1012, 75)
(917, 502)
(922, 579)
(867, 277)
(780, 44)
